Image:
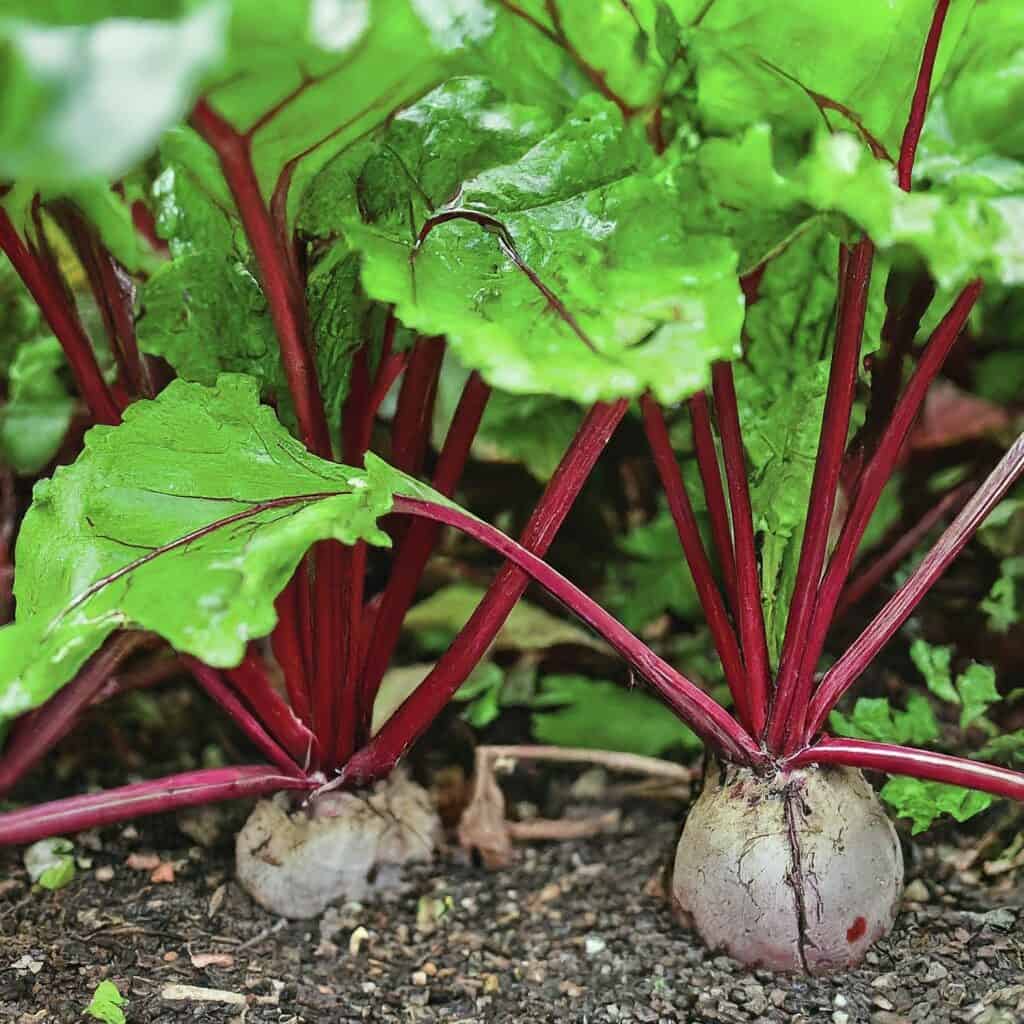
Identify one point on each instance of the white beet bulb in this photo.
(296, 862)
(798, 871)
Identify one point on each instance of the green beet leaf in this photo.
(573, 274)
(974, 688)
(307, 79)
(972, 139)
(205, 312)
(796, 64)
(188, 520)
(527, 628)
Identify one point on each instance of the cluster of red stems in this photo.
(333, 645)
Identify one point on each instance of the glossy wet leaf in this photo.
(581, 282)
(188, 520)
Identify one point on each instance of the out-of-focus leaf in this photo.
(923, 802)
(654, 578)
(38, 411)
(50, 863)
(87, 100)
(974, 688)
(1003, 602)
(933, 662)
(528, 628)
(593, 713)
(874, 718)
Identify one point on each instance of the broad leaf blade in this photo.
(188, 520)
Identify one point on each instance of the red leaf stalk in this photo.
(414, 716)
(697, 559)
(750, 615)
(793, 688)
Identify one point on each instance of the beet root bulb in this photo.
(798, 871)
(345, 846)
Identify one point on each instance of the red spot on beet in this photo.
(856, 930)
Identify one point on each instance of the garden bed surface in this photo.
(573, 931)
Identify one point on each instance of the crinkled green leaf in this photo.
(639, 300)
(628, 51)
(599, 714)
(923, 801)
(87, 100)
(1007, 749)
(36, 416)
(106, 1004)
(178, 521)
(205, 311)
(874, 718)
(976, 688)
(933, 662)
(958, 235)
(1003, 603)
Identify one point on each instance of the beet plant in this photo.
(245, 232)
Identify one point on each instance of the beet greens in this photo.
(674, 202)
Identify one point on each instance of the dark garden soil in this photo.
(574, 931)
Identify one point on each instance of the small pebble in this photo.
(356, 939)
(419, 977)
(916, 892)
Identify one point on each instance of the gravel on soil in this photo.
(573, 931)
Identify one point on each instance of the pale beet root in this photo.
(295, 862)
(798, 871)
